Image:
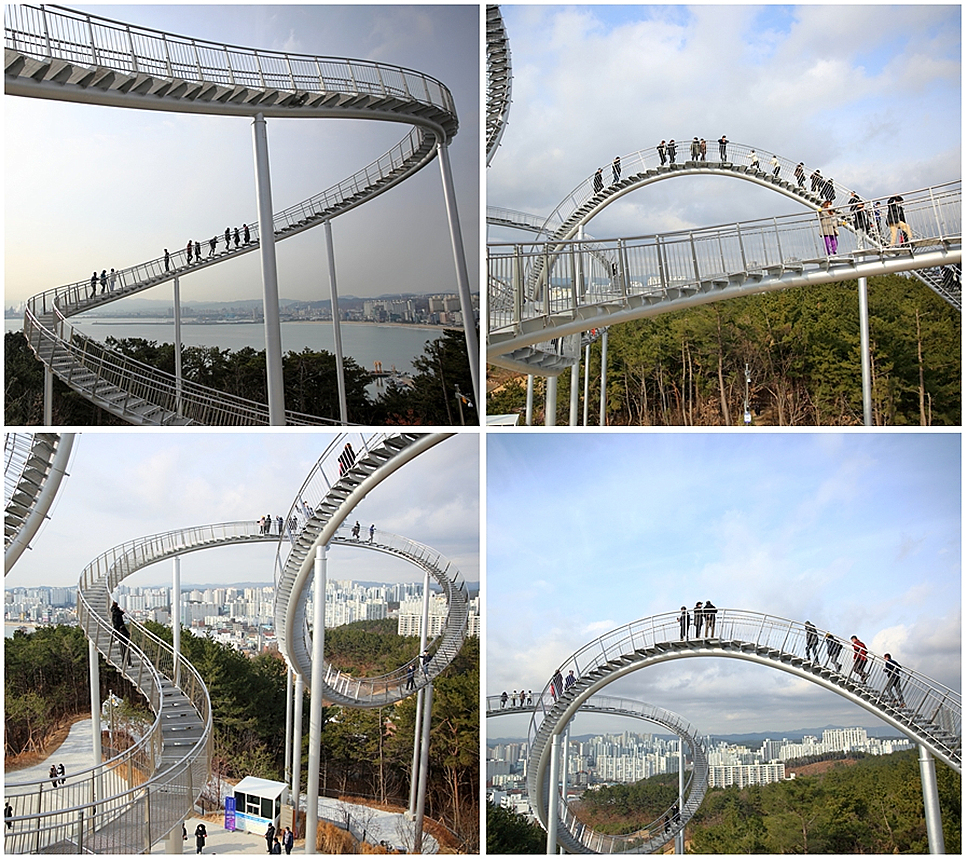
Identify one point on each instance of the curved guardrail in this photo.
(499, 80)
(351, 466)
(130, 802)
(52, 52)
(926, 711)
(575, 837)
(655, 274)
(34, 464)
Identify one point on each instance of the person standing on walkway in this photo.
(893, 689)
(695, 149)
(710, 615)
(94, 285)
(103, 281)
(53, 775)
(685, 621)
(200, 835)
(288, 840)
(704, 149)
(698, 619)
(556, 685)
(167, 260)
(753, 157)
(829, 226)
(111, 280)
(616, 169)
(355, 530)
(662, 153)
(811, 640)
(860, 658)
(270, 836)
(598, 181)
(248, 235)
(411, 680)
(672, 150)
(775, 166)
(8, 814)
(62, 773)
(372, 533)
(569, 681)
(117, 621)
(833, 648)
(896, 219)
(211, 246)
(237, 243)
(816, 179)
(426, 658)
(188, 248)
(197, 251)
(723, 147)
(227, 238)
(800, 174)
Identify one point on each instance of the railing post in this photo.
(694, 258)
(90, 32)
(778, 240)
(43, 17)
(661, 267)
(741, 247)
(517, 284)
(167, 55)
(130, 44)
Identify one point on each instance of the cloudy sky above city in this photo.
(871, 95)
(859, 533)
(130, 485)
(100, 187)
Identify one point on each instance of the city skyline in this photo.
(122, 486)
(858, 533)
(193, 175)
(880, 113)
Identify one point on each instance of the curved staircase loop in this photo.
(52, 52)
(130, 802)
(927, 712)
(329, 495)
(575, 837)
(499, 80)
(34, 465)
(656, 274)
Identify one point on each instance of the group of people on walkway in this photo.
(275, 840)
(704, 616)
(830, 219)
(525, 699)
(107, 282)
(241, 236)
(266, 523)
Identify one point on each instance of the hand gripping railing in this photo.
(662, 267)
(930, 713)
(346, 463)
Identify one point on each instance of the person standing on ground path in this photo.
(811, 640)
(710, 614)
(698, 619)
(270, 836)
(723, 147)
(288, 840)
(616, 169)
(53, 775)
(685, 621)
(662, 153)
(893, 689)
(7, 814)
(200, 835)
(62, 773)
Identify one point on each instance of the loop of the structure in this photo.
(34, 465)
(499, 79)
(351, 466)
(72, 56)
(575, 837)
(926, 711)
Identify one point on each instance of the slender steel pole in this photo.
(529, 416)
(866, 356)
(423, 771)
(603, 379)
(266, 237)
(550, 403)
(95, 680)
(462, 275)
(177, 345)
(574, 393)
(176, 617)
(288, 725)
(679, 838)
(586, 381)
(48, 396)
(930, 801)
(552, 807)
(336, 325)
(418, 734)
(297, 746)
(315, 705)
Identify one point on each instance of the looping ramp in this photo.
(572, 835)
(348, 470)
(499, 79)
(135, 799)
(34, 464)
(72, 56)
(927, 712)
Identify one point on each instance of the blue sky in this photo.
(128, 485)
(859, 533)
(98, 187)
(870, 94)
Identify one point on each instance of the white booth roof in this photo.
(262, 787)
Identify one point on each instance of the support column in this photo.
(177, 345)
(315, 704)
(550, 403)
(423, 771)
(586, 381)
(176, 618)
(679, 838)
(529, 418)
(553, 805)
(174, 843)
(48, 396)
(336, 325)
(864, 348)
(462, 276)
(297, 746)
(95, 681)
(930, 801)
(418, 733)
(603, 379)
(288, 725)
(266, 238)
(574, 393)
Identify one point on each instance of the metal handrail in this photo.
(659, 265)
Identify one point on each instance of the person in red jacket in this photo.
(860, 659)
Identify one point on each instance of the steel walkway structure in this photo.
(330, 493)
(72, 56)
(499, 79)
(575, 837)
(34, 465)
(927, 712)
(135, 799)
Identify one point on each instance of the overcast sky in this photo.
(871, 95)
(90, 187)
(128, 485)
(586, 532)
